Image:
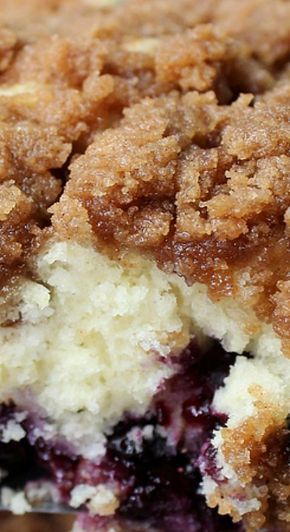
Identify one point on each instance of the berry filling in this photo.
(155, 461)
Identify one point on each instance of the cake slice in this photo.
(144, 244)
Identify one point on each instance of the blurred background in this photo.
(34, 523)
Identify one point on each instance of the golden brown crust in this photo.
(195, 175)
(202, 187)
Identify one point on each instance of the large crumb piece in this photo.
(194, 187)
(252, 451)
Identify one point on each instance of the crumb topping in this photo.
(158, 127)
(258, 452)
(202, 187)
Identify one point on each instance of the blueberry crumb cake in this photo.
(144, 262)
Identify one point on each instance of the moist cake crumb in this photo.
(98, 499)
(14, 501)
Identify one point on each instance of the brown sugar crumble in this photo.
(259, 452)
(157, 126)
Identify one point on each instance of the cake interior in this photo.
(155, 460)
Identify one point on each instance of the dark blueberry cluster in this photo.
(156, 460)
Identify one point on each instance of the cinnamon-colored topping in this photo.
(202, 187)
(259, 452)
(182, 110)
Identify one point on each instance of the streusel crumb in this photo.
(203, 187)
(185, 131)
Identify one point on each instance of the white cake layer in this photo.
(96, 339)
